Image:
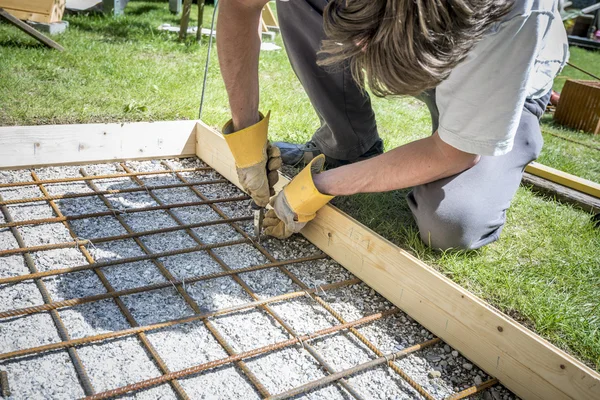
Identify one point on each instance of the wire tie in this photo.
(117, 211)
(389, 357)
(322, 291)
(78, 241)
(301, 342)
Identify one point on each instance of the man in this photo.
(483, 67)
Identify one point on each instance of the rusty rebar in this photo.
(111, 263)
(160, 363)
(82, 375)
(179, 285)
(94, 241)
(470, 391)
(311, 350)
(95, 177)
(156, 286)
(324, 304)
(240, 356)
(415, 385)
(109, 192)
(119, 211)
(317, 383)
(161, 325)
(179, 288)
(5, 388)
(247, 289)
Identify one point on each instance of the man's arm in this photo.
(238, 44)
(415, 163)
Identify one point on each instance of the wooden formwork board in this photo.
(565, 179)
(522, 361)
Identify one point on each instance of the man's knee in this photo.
(459, 226)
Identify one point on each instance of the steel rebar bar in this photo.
(94, 241)
(119, 261)
(119, 211)
(179, 287)
(240, 356)
(160, 325)
(96, 177)
(318, 383)
(160, 363)
(470, 391)
(324, 304)
(63, 334)
(108, 192)
(156, 286)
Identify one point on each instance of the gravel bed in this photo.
(116, 362)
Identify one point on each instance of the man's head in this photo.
(405, 46)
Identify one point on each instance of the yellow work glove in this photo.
(256, 160)
(297, 203)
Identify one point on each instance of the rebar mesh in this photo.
(316, 294)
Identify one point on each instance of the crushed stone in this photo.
(439, 369)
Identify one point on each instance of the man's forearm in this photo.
(415, 163)
(238, 44)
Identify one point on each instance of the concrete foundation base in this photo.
(54, 28)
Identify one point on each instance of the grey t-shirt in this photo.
(480, 103)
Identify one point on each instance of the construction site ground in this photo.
(284, 290)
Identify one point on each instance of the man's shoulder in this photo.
(524, 8)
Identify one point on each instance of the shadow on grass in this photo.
(145, 9)
(120, 28)
(24, 44)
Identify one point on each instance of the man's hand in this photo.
(297, 203)
(256, 160)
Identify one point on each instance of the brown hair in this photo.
(405, 46)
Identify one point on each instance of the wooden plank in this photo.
(29, 16)
(30, 31)
(268, 17)
(565, 179)
(34, 6)
(54, 15)
(67, 144)
(522, 361)
(562, 193)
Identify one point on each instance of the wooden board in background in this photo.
(565, 179)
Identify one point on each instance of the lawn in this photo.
(546, 269)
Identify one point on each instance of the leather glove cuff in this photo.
(249, 145)
(302, 196)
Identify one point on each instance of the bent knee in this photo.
(459, 229)
(446, 238)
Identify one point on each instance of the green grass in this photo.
(545, 271)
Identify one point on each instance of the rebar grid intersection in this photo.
(179, 285)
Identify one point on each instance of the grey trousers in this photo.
(464, 211)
